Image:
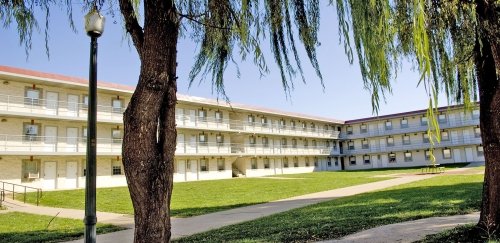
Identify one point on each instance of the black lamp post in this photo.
(94, 26)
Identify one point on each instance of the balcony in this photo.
(42, 145)
(471, 140)
(450, 123)
(17, 105)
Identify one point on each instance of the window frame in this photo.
(363, 128)
(29, 137)
(365, 144)
(480, 151)
(388, 125)
(221, 167)
(365, 160)
(117, 109)
(424, 121)
(219, 116)
(404, 125)
(116, 167)
(203, 141)
(450, 156)
(33, 101)
(390, 144)
(392, 158)
(204, 165)
(477, 132)
(406, 141)
(253, 163)
(349, 130)
(352, 160)
(267, 163)
(406, 158)
(25, 173)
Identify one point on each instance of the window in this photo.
(307, 162)
(426, 138)
(329, 162)
(480, 151)
(253, 163)
(363, 128)
(265, 142)
(283, 142)
(392, 158)
(85, 99)
(408, 157)
(266, 163)
(445, 136)
(349, 130)
(202, 115)
(350, 145)
(304, 126)
(116, 135)
(252, 141)
(282, 123)
(295, 162)
(390, 141)
(316, 162)
(116, 167)
(404, 123)
(202, 137)
(388, 125)
(427, 154)
(366, 159)
(219, 138)
(221, 164)
(477, 132)
(306, 143)
(446, 153)
(352, 160)
(294, 143)
(336, 161)
(475, 114)
(313, 127)
(325, 128)
(364, 144)
(406, 139)
(442, 118)
(84, 134)
(31, 169)
(117, 105)
(203, 164)
(314, 143)
(218, 116)
(32, 96)
(424, 121)
(263, 121)
(292, 124)
(285, 162)
(251, 120)
(31, 132)
(188, 165)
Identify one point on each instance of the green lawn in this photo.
(22, 227)
(438, 196)
(201, 197)
(465, 233)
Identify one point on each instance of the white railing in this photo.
(185, 121)
(49, 144)
(57, 108)
(450, 123)
(399, 146)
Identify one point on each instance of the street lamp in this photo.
(94, 26)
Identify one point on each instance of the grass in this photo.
(465, 233)
(201, 197)
(438, 196)
(23, 227)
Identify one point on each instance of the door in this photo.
(71, 139)
(72, 105)
(52, 103)
(191, 170)
(50, 139)
(467, 137)
(180, 144)
(71, 174)
(383, 142)
(375, 161)
(385, 160)
(192, 144)
(179, 116)
(181, 169)
(457, 156)
(191, 118)
(49, 175)
(468, 155)
(454, 137)
(373, 145)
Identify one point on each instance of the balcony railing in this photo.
(399, 146)
(45, 107)
(184, 121)
(16, 144)
(450, 123)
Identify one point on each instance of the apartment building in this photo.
(43, 136)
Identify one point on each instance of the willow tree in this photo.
(454, 44)
(224, 30)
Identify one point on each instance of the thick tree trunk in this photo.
(487, 48)
(150, 135)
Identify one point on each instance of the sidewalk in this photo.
(188, 226)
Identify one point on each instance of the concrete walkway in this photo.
(409, 231)
(188, 226)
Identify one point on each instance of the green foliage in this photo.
(438, 196)
(23, 227)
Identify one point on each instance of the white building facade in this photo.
(43, 136)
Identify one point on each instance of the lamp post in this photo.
(94, 26)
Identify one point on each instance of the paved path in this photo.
(188, 226)
(409, 231)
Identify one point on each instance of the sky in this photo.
(342, 98)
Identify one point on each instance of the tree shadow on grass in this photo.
(344, 216)
(49, 235)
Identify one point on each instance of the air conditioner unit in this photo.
(33, 175)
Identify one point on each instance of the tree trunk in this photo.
(150, 135)
(486, 49)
